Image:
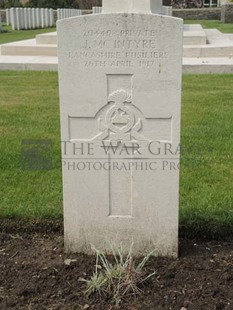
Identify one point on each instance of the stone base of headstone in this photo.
(227, 13)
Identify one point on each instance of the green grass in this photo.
(216, 24)
(8, 35)
(29, 110)
(206, 192)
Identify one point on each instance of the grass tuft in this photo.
(119, 279)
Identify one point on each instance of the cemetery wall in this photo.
(205, 14)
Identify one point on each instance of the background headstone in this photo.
(38, 18)
(29, 12)
(42, 14)
(51, 18)
(25, 13)
(46, 18)
(33, 18)
(13, 18)
(18, 21)
(8, 17)
(21, 14)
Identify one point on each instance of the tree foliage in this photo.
(52, 4)
(77, 4)
(5, 4)
(88, 4)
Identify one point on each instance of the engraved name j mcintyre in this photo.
(120, 44)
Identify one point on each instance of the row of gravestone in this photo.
(97, 9)
(29, 18)
(66, 13)
(33, 18)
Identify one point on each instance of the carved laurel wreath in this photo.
(120, 96)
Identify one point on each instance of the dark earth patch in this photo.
(33, 275)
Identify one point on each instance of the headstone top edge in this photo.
(92, 16)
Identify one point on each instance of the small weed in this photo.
(119, 279)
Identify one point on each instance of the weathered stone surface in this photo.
(120, 89)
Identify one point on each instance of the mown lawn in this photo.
(29, 109)
(8, 35)
(206, 191)
(216, 24)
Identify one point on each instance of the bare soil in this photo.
(33, 274)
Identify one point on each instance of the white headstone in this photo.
(167, 10)
(62, 13)
(17, 12)
(25, 12)
(33, 18)
(21, 14)
(51, 18)
(8, 18)
(29, 12)
(38, 18)
(120, 99)
(46, 12)
(13, 18)
(42, 14)
(58, 14)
